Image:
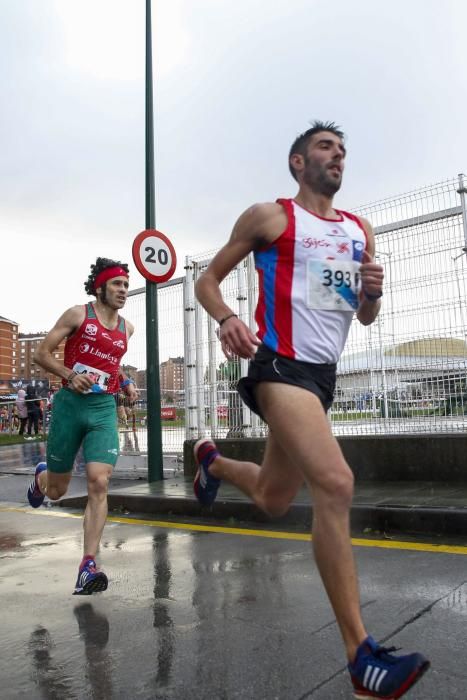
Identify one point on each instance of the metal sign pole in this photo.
(155, 460)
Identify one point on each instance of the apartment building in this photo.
(28, 369)
(9, 349)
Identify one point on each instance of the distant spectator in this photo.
(121, 412)
(22, 409)
(42, 410)
(14, 418)
(34, 411)
(4, 421)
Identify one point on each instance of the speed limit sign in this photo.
(154, 255)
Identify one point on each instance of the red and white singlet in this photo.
(309, 284)
(96, 351)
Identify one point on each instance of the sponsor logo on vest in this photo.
(84, 347)
(106, 335)
(119, 343)
(91, 329)
(315, 243)
(343, 247)
(358, 248)
(335, 233)
(103, 355)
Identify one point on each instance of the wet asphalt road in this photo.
(193, 614)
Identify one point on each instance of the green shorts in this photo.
(89, 420)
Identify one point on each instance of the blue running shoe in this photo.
(378, 673)
(90, 580)
(35, 495)
(205, 486)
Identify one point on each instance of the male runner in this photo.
(316, 269)
(84, 410)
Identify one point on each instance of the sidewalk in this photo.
(419, 507)
(429, 508)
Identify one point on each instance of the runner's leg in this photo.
(272, 486)
(54, 485)
(95, 515)
(299, 423)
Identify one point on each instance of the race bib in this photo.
(332, 285)
(100, 379)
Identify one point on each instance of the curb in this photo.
(409, 520)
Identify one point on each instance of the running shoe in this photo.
(90, 579)
(205, 486)
(35, 495)
(378, 673)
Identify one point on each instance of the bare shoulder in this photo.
(71, 319)
(265, 211)
(74, 315)
(261, 221)
(258, 225)
(66, 325)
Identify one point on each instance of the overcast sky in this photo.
(234, 84)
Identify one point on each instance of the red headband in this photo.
(109, 274)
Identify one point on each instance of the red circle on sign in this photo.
(154, 256)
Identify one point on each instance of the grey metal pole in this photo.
(462, 192)
(191, 413)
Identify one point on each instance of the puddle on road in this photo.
(8, 542)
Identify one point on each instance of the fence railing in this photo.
(32, 421)
(405, 373)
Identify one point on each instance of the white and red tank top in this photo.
(309, 284)
(96, 351)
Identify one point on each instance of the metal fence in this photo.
(133, 431)
(405, 373)
(32, 422)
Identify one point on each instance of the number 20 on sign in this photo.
(154, 256)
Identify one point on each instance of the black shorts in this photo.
(268, 366)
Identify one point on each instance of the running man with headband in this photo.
(84, 410)
(316, 271)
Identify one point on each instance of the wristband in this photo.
(70, 377)
(373, 297)
(126, 382)
(226, 318)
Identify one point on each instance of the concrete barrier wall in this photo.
(373, 458)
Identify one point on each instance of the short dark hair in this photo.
(100, 265)
(301, 142)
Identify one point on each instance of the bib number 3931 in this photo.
(332, 285)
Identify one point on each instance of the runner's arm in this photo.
(235, 336)
(127, 384)
(65, 326)
(372, 275)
